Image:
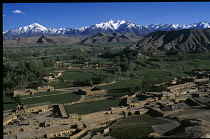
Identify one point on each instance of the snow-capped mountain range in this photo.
(118, 26)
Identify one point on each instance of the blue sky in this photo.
(74, 15)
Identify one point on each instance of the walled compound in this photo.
(91, 91)
(73, 125)
(45, 89)
(33, 91)
(24, 92)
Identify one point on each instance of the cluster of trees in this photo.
(148, 83)
(124, 64)
(185, 55)
(21, 74)
(26, 67)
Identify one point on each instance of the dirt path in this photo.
(82, 98)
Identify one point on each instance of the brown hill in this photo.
(187, 39)
(42, 41)
(112, 38)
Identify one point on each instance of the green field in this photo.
(134, 127)
(8, 103)
(122, 87)
(93, 106)
(83, 74)
(191, 64)
(76, 75)
(54, 99)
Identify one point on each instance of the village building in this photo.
(68, 125)
(50, 79)
(24, 92)
(45, 89)
(41, 109)
(180, 86)
(21, 129)
(57, 73)
(201, 80)
(62, 111)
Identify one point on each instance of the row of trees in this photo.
(99, 79)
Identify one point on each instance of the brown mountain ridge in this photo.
(187, 39)
(64, 40)
(42, 41)
(112, 38)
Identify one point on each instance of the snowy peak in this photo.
(163, 27)
(200, 25)
(33, 26)
(82, 28)
(111, 26)
(62, 30)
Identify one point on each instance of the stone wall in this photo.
(60, 133)
(62, 110)
(58, 121)
(181, 98)
(24, 92)
(167, 113)
(95, 114)
(8, 119)
(143, 102)
(20, 129)
(33, 91)
(45, 89)
(33, 109)
(158, 112)
(78, 134)
(96, 92)
(131, 112)
(180, 86)
(201, 80)
(119, 109)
